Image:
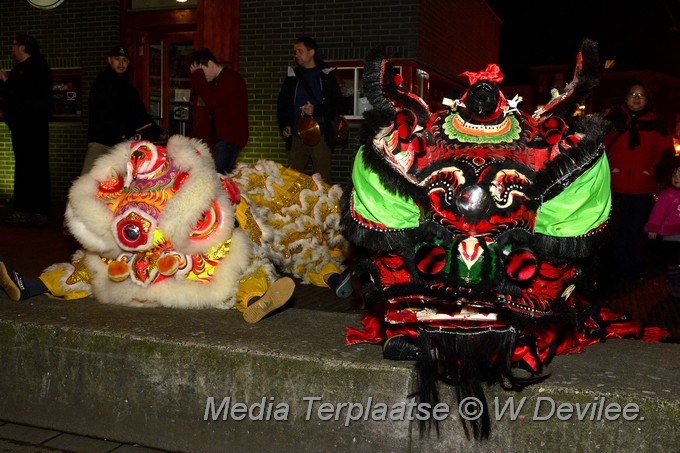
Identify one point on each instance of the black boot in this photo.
(401, 347)
(341, 284)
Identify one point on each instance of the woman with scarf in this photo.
(635, 146)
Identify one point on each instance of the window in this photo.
(428, 84)
(421, 84)
(350, 80)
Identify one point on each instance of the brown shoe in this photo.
(8, 282)
(276, 297)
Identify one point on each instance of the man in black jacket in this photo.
(26, 94)
(116, 111)
(309, 89)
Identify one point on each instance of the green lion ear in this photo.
(374, 202)
(580, 208)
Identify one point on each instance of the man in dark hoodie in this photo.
(116, 111)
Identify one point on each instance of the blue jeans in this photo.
(225, 156)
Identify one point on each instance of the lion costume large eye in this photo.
(506, 185)
(211, 220)
(444, 183)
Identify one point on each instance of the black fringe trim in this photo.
(557, 247)
(467, 359)
(385, 240)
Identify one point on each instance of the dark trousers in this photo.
(629, 215)
(225, 156)
(30, 143)
(299, 155)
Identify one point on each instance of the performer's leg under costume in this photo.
(258, 294)
(16, 286)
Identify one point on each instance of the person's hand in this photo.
(308, 109)
(651, 235)
(286, 132)
(194, 67)
(3, 75)
(615, 170)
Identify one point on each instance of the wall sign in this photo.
(67, 98)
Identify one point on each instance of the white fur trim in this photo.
(185, 208)
(88, 219)
(67, 270)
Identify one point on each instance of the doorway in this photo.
(161, 35)
(169, 96)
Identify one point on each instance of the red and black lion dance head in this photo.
(475, 227)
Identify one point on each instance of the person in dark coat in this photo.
(26, 99)
(116, 112)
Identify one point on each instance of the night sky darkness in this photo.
(544, 32)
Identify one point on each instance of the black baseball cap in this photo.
(119, 51)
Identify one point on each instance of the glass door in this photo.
(179, 88)
(156, 83)
(169, 93)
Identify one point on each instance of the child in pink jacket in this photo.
(664, 222)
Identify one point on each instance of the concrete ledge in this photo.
(145, 376)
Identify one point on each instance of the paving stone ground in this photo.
(18, 438)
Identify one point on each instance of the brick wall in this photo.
(77, 34)
(344, 30)
(458, 35)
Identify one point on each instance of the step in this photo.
(159, 378)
